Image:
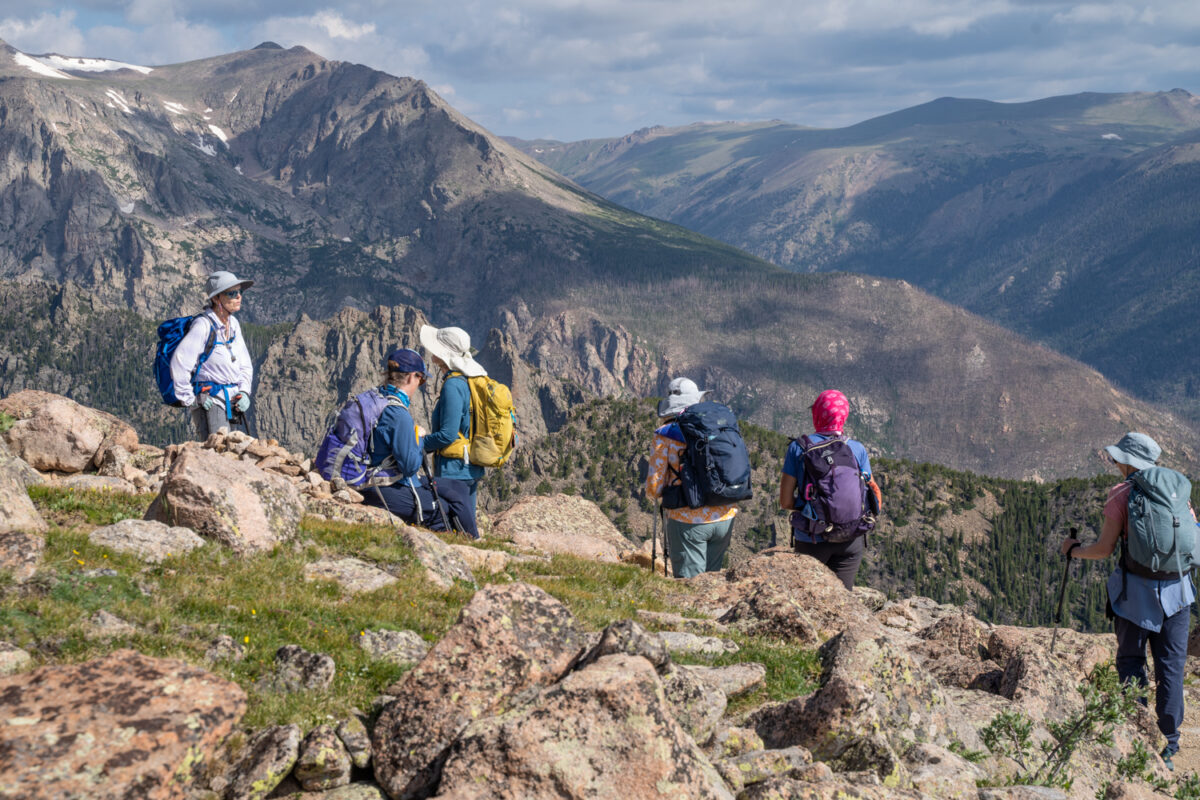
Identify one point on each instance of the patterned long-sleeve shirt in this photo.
(664, 470)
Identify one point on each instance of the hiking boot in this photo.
(1167, 753)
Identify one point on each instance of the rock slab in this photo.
(508, 639)
(148, 540)
(125, 725)
(52, 432)
(562, 524)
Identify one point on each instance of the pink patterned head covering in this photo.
(829, 412)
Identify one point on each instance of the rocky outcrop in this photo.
(21, 554)
(508, 639)
(52, 432)
(228, 501)
(125, 725)
(561, 524)
(603, 731)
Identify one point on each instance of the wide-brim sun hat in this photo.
(453, 346)
(1136, 450)
(222, 281)
(681, 393)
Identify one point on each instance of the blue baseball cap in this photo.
(405, 360)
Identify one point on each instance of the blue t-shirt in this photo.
(793, 464)
(451, 416)
(1146, 602)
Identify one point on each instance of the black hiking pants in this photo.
(841, 557)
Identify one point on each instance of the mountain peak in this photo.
(267, 46)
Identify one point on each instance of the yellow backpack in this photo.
(493, 424)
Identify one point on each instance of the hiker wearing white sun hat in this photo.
(449, 349)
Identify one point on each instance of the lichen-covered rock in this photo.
(490, 561)
(730, 741)
(874, 701)
(683, 643)
(508, 639)
(323, 762)
(297, 670)
(793, 789)
(357, 739)
(122, 726)
(603, 731)
(230, 502)
(52, 432)
(104, 625)
(626, 636)
(148, 540)
(794, 597)
(262, 765)
(443, 565)
(678, 622)
(697, 706)
(745, 769)
(939, 772)
(562, 524)
(399, 647)
(225, 648)
(731, 680)
(21, 554)
(13, 659)
(355, 791)
(354, 575)
(17, 512)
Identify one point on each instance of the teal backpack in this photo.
(1162, 532)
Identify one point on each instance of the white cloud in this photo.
(338, 27)
(44, 33)
(1098, 14)
(336, 37)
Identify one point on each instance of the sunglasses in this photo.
(232, 294)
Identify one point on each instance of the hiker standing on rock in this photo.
(700, 536)
(827, 485)
(211, 367)
(396, 446)
(1149, 593)
(450, 351)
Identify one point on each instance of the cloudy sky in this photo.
(575, 69)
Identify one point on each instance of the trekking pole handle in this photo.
(1071, 550)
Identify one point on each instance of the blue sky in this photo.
(575, 69)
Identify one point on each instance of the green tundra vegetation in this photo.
(989, 544)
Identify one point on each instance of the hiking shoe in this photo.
(1166, 754)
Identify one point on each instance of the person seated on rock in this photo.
(449, 350)
(697, 537)
(398, 436)
(1146, 606)
(218, 392)
(816, 529)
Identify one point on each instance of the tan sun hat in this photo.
(452, 345)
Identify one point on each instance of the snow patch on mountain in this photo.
(37, 67)
(89, 64)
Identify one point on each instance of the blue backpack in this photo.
(345, 452)
(714, 469)
(170, 334)
(1162, 532)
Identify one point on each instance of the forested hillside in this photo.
(988, 544)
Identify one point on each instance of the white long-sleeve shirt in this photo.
(229, 362)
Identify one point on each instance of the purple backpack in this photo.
(345, 451)
(832, 498)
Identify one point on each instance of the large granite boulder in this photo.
(604, 731)
(125, 725)
(228, 501)
(52, 432)
(507, 640)
(562, 524)
(874, 701)
(18, 467)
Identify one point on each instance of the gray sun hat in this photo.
(452, 345)
(681, 393)
(222, 281)
(1136, 450)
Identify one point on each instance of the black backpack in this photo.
(714, 467)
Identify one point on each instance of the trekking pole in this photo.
(666, 547)
(1062, 594)
(654, 542)
(437, 501)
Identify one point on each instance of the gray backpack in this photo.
(1162, 532)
